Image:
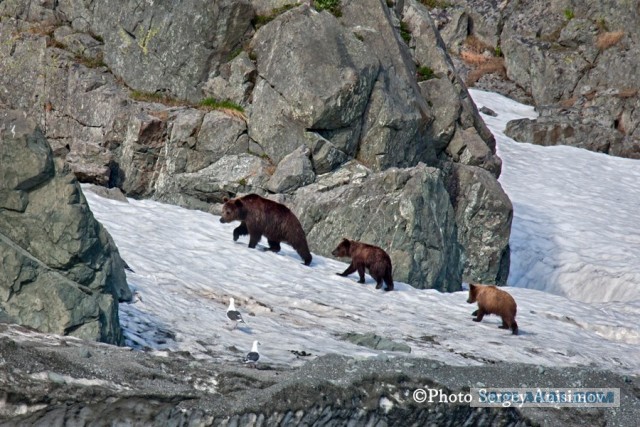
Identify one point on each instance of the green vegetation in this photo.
(497, 52)
(261, 20)
(214, 104)
(332, 6)
(359, 36)
(404, 32)
(425, 73)
(234, 53)
(432, 4)
(568, 13)
(242, 181)
(602, 25)
(252, 55)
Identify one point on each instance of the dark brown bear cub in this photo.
(363, 256)
(260, 216)
(492, 300)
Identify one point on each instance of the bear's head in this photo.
(343, 249)
(232, 210)
(473, 293)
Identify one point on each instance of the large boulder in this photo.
(407, 212)
(483, 214)
(60, 270)
(314, 76)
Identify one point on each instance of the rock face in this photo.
(481, 207)
(48, 380)
(313, 92)
(576, 63)
(149, 47)
(60, 270)
(407, 211)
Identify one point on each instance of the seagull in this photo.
(253, 356)
(233, 314)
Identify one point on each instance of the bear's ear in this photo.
(238, 203)
(225, 199)
(471, 286)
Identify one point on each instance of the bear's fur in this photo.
(259, 216)
(492, 300)
(363, 255)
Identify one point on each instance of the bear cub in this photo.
(259, 216)
(363, 255)
(492, 300)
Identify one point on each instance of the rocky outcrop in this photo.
(310, 93)
(481, 207)
(60, 270)
(575, 62)
(150, 47)
(49, 379)
(407, 211)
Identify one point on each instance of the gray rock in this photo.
(266, 7)
(232, 174)
(551, 131)
(468, 148)
(313, 75)
(397, 115)
(108, 193)
(576, 64)
(234, 80)
(488, 111)
(61, 271)
(140, 153)
(130, 388)
(293, 172)
(483, 214)
(325, 155)
(451, 105)
(149, 47)
(407, 212)
(375, 342)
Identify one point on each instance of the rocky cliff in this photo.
(60, 270)
(188, 103)
(575, 61)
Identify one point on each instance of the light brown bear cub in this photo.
(259, 216)
(492, 300)
(363, 256)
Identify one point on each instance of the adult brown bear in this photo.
(259, 216)
(492, 300)
(367, 256)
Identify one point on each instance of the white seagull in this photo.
(253, 356)
(233, 314)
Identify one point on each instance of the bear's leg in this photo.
(388, 279)
(348, 271)
(504, 325)
(361, 273)
(254, 238)
(475, 313)
(240, 230)
(378, 280)
(479, 315)
(274, 246)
